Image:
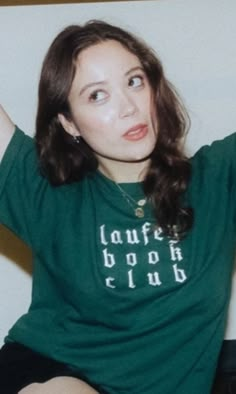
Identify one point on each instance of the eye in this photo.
(97, 96)
(136, 81)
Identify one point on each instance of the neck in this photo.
(123, 172)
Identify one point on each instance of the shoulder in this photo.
(21, 145)
(214, 166)
(219, 152)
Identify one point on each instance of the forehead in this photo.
(105, 58)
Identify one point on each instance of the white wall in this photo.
(196, 41)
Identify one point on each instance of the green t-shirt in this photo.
(131, 310)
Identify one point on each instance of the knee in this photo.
(31, 389)
(59, 385)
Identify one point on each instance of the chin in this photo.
(142, 156)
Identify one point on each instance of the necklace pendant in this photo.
(139, 212)
(141, 202)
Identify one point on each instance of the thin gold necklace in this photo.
(137, 206)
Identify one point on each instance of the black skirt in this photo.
(21, 366)
(225, 379)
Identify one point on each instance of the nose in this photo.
(127, 105)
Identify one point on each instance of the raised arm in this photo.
(7, 128)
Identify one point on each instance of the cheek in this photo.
(105, 115)
(95, 121)
(148, 102)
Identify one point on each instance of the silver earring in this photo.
(76, 139)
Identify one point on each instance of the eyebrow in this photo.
(134, 69)
(90, 85)
(99, 83)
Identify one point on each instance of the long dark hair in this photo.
(63, 161)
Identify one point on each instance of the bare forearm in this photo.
(7, 128)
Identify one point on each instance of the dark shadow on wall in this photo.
(15, 250)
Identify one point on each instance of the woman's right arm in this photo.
(7, 129)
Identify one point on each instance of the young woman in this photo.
(133, 243)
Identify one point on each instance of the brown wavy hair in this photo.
(63, 161)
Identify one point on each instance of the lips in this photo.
(136, 133)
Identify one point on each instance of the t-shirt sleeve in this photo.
(220, 156)
(20, 182)
(215, 166)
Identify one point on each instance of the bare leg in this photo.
(59, 385)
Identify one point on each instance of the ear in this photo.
(68, 125)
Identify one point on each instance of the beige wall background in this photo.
(196, 42)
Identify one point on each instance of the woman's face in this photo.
(111, 105)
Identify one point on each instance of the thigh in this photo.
(60, 385)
